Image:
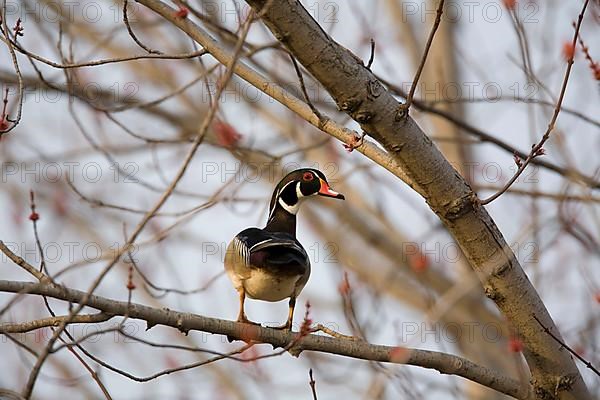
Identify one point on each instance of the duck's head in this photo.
(299, 185)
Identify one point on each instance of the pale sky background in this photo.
(486, 49)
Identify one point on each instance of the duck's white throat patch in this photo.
(292, 209)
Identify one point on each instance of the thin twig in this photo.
(569, 349)
(28, 388)
(298, 106)
(404, 108)
(52, 322)
(312, 384)
(92, 373)
(34, 217)
(539, 194)
(20, 344)
(132, 34)
(55, 320)
(169, 370)
(571, 174)
(332, 333)
(505, 98)
(15, 62)
(538, 149)
(155, 102)
(95, 63)
(305, 92)
(372, 55)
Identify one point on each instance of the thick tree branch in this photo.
(361, 95)
(185, 322)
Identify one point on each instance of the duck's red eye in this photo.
(308, 176)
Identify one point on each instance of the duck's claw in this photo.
(243, 320)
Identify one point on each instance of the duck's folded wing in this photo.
(273, 252)
(289, 244)
(280, 256)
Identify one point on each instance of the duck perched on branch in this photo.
(270, 264)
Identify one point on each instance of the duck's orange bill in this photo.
(326, 191)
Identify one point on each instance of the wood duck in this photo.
(270, 264)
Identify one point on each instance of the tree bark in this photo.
(414, 158)
(362, 96)
(293, 341)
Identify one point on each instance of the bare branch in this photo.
(488, 138)
(28, 389)
(312, 383)
(369, 149)
(588, 364)
(185, 322)
(438, 18)
(52, 322)
(7, 40)
(538, 149)
(22, 263)
(132, 34)
(363, 97)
